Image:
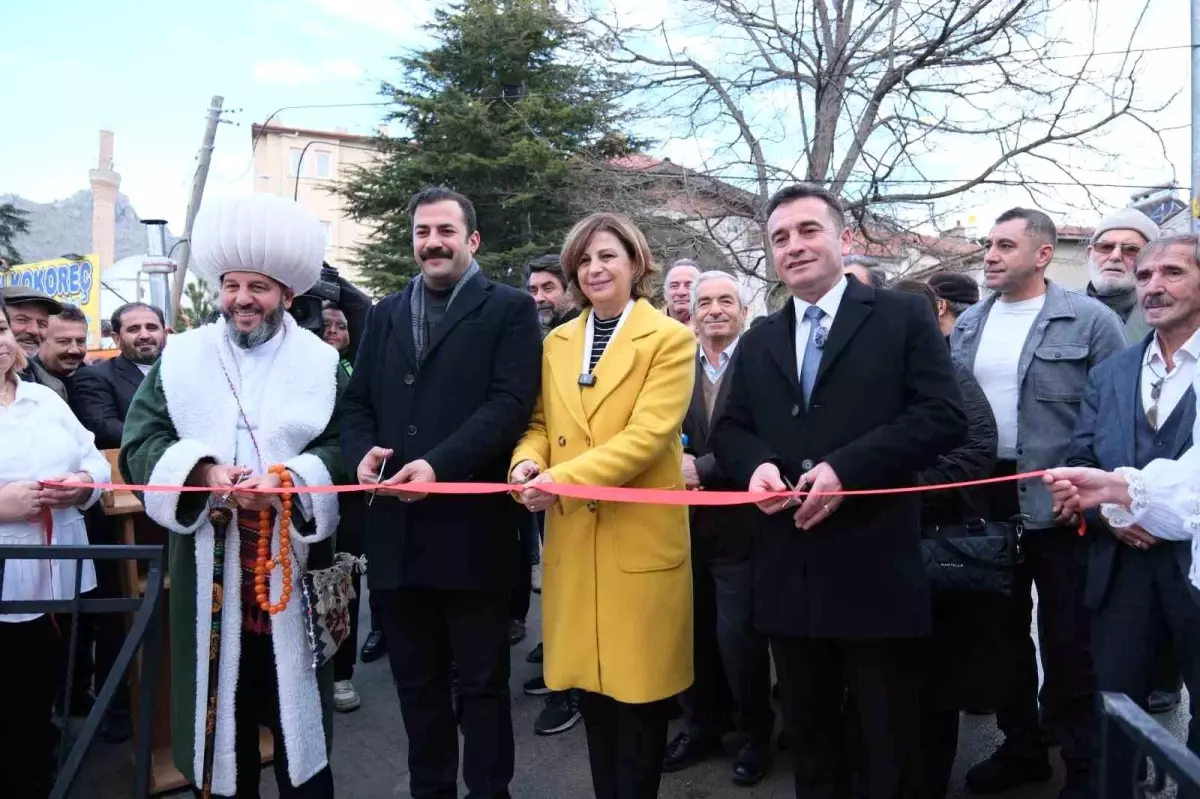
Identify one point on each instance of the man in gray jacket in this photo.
(1031, 346)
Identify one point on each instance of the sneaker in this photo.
(345, 698)
(560, 714)
(1006, 770)
(535, 655)
(536, 578)
(1163, 701)
(536, 686)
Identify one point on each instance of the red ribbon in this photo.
(642, 496)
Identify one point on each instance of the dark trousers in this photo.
(349, 539)
(626, 745)
(427, 630)
(107, 629)
(347, 654)
(528, 531)
(256, 703)
(732, 661)
(1147, 593)
(1168, 674)
(1055, 560)
(883, 680)
(30, 669)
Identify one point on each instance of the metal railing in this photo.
(1138, 755)
(145, 631)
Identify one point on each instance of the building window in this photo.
(328, 228)
(321, 161)
(294, 169)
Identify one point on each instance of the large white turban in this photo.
(258, 233)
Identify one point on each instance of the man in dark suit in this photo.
(101, 393)
(845, 388)
(1139, 406)
(732, 662)
(445, 382)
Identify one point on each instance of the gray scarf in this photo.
(418, 307)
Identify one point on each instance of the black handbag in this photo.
(976, 556)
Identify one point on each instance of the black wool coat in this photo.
(462, 410)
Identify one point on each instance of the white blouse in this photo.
(1165, 497)
(40, 438)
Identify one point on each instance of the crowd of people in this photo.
(650, 612)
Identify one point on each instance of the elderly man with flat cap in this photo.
(30, 311)
(245, 402)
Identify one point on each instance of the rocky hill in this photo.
(65, 226)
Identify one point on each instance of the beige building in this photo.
(305, 164)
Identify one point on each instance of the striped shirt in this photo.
(604, 329)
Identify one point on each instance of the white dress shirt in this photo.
(42, 440)
(1175, 382)
(250, 370)
(829, 303)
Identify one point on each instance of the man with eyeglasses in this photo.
(1114, 247)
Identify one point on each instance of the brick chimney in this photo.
(105, 183)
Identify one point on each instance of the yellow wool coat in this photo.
(616, 577)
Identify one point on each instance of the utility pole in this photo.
(205, 158)
(1195, 192)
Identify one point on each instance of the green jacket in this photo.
(154, 449)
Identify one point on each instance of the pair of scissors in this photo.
(236, 480)
(378, 480)
(793, 500)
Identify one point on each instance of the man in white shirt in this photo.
(1140, 406)
(1031, 346)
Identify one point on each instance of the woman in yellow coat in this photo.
(616, 579)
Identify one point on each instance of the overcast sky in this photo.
(146, 70)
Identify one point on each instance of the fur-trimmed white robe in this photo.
(296, 406)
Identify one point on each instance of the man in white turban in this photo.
(246, 401)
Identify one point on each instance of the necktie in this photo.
(812, 351)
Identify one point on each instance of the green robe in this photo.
(148, 434)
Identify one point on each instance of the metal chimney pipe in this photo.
(156, 237)
(159, 267)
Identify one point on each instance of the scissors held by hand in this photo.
(795, 499)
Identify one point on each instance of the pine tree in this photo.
(12, 223)
(503, 110)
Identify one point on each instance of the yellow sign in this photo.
(76, 282)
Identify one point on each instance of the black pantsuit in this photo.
(626, 744)
(30, 669)
(427, 630)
